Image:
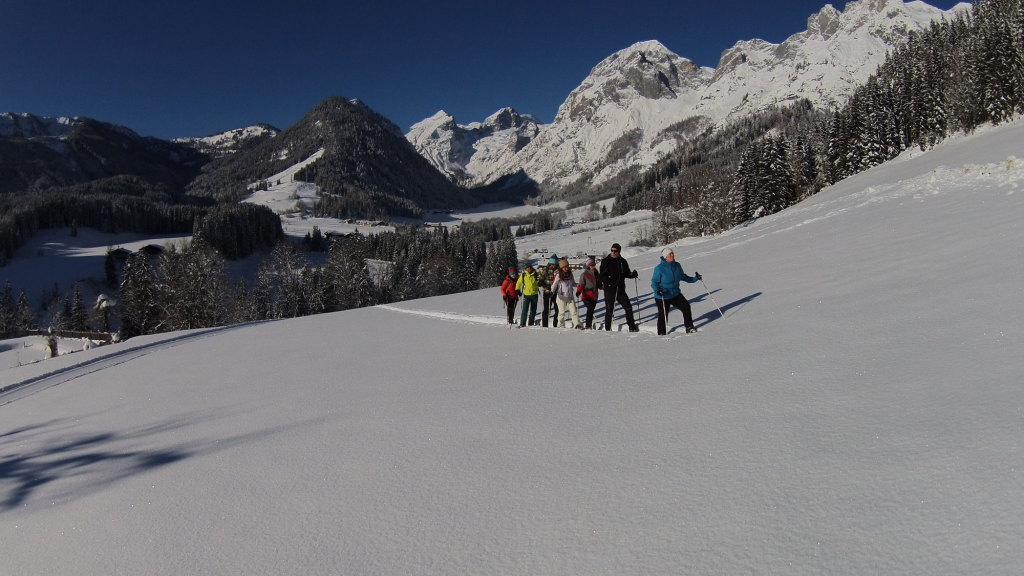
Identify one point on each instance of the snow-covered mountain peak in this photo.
(230, 141)
(507, 118)
(825, 23)
(627, 111)
(645, 70)
(31, 126)
(430, 128)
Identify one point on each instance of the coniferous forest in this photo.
(190, 288)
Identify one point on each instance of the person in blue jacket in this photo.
(665, 284)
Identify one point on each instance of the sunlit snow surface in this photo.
(857, 410)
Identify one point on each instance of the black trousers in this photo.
(679, 302)
(610, 298)
(590, 305)
(510, 308)
(547, 308)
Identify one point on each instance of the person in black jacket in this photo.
(614, 271)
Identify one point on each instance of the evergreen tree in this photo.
(348, 275)
(7, 310)
(745, 185)
(438, 275)
(24, 316)
(1001, 57)
(194, 286)
(140, 309)
(494, 268)
(79, 315)
(778, 190)
(110, 268)
(712, 209)
(239, 304)
(316, 291)
(261, 300)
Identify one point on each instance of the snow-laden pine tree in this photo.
(999, 26)
(278, 289)
(348, 274)
(194, 287)
(140, 309)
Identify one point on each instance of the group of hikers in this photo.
(555, 288)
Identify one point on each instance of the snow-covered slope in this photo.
(857, 410)
(230, 141)
(637, 104)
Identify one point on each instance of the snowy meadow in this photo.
(858, 409)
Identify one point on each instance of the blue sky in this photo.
(193, 68)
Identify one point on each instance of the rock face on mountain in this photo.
(615, 116)
(471, 154)
(636, 105)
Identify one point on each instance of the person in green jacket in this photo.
(528, 286)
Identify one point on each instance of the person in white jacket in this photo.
(563, 287)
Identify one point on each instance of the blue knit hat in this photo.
(553, 259)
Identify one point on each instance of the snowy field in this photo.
(857, 410)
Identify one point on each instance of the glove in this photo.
(698, 276)
(661, 292)
(634, 275)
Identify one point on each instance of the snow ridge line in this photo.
(68, 373)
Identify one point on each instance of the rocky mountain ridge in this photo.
(635, 106)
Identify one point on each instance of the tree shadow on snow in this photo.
(60, 466)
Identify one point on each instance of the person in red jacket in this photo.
(509, 294)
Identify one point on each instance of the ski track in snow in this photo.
(645, 323)
(63, 375)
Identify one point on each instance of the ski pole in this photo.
(663, 311)
(712, 298)
(636, 303)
